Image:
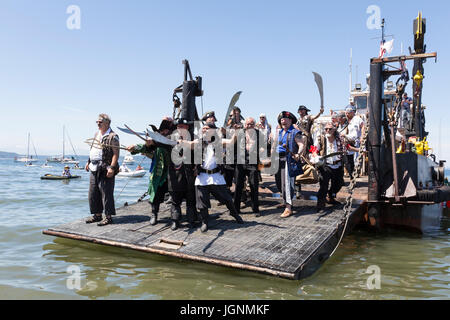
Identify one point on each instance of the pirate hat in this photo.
(286, 114)
(303, 108)
(208, 115)
(166, 123)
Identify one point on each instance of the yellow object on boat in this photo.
(421, 146)
(418, 78)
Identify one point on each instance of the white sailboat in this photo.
(28, 159)
(63, 158)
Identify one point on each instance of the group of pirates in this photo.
(173, 170)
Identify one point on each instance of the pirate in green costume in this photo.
(160, 155)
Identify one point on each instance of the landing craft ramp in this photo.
(290, 248)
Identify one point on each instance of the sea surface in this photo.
(37, 266)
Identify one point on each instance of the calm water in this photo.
(35, 266)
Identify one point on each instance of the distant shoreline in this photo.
(4, 154)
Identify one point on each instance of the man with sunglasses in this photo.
(103, 165)
(332, 168)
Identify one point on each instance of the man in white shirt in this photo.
(355, 128)
(210, 179)
(103, 165)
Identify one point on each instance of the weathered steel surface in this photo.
(267, 244)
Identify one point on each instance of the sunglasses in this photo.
(99, 122)
(329, 129)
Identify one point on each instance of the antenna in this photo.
(351, 56)
(440, 150)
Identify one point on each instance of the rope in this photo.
(349, 200)
(126, 184)
(201, 98)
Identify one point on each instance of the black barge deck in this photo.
(291, 248)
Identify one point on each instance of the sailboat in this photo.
(63, 158)
(28, 159)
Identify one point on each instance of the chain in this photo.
(356, 171)
(129, 179)
(398, 102)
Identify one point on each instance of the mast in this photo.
(28, 148)
(418, 71)
(71, 144)
(350, 84)
(63, 142)
(34, 147)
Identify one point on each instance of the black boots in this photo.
(175, 224)
(204, 226)
(154, 214)
(238, 218)
(153, 218)
(320, 205)
(204, 218)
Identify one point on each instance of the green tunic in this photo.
(160, 157)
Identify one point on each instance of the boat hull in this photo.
(53, 177)
(132, 174)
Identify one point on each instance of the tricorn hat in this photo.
(287, 114)
(166, 123)
(208, 115)
(303, 108)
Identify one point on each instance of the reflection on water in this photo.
(35, 266)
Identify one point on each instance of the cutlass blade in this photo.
(233, 101)
(319, 83)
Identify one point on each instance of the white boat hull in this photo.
(26, 160)
(134, 174)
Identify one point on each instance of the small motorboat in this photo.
(133, 174)
(46, 165)
(30, 165)
(128, 159)
(55, 177)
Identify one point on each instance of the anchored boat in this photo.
(64, 159)
(56, 177)
(28, 159)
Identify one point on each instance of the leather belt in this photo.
(210, 171)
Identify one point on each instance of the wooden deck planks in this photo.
(267, 244)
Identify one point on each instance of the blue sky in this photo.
(126, 60)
